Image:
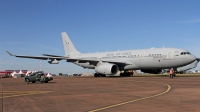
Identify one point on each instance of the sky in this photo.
(33, 27)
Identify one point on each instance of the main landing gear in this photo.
(126, 74)
(99, 75)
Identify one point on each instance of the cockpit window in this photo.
(184, 53)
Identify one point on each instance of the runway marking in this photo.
(21, 93)
(144, 98)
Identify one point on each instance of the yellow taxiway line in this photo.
(144, 98)
(22, 93)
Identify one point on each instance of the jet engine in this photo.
(53, 61)
(153, 71)
(107, 69)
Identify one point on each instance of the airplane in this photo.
(109, 63)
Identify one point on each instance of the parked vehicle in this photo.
(37, 77)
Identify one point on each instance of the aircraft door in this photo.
(99, 57)
(169, 55)
(142, 55)
(143, 61)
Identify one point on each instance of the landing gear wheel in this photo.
(96, 75)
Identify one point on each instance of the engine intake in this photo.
(107, 69)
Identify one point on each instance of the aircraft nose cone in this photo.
(192, 58)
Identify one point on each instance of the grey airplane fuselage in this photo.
(156, 58)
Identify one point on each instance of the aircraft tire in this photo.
(102, 75)
(95, 75)
(121, 74)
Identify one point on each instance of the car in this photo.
(37, 77)
(77, 75)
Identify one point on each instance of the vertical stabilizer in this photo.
(68, 45)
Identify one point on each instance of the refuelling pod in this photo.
(53, 61)
(107, 69)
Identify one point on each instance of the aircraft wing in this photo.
(51, 55)
(38, 57)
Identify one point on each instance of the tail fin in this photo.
(68, 45)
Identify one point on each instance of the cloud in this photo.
(192, 21)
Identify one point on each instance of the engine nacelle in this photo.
(153, 71)
(53, 61)
(107, 69)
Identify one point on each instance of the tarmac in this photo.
(141, 93)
